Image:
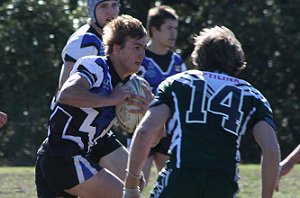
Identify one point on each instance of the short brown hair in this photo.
(158, 15)
(117, 31)
(217, 49)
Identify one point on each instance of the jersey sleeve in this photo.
(164, 94)
(263, 110)
(89, 69)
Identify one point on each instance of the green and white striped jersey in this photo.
(209, 113)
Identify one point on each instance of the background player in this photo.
(87, 40)
(160, 62)
(208, 111)
(78, 130)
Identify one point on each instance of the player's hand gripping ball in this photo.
(128, 120)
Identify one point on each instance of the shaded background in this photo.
(33, 33)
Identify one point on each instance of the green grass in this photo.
(18, 182)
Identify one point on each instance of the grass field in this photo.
(18, 182)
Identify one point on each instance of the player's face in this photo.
(132, 54)
(106, 11)
(167, 34)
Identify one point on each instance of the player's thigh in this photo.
(102, 185)
(116, 162)
(42, 187)
(61, 173)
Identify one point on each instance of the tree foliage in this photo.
(33, 33)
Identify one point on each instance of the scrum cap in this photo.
(91, 5)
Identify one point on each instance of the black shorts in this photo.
(177, 183)
(55, 174)
(161, 147)
(105, 145)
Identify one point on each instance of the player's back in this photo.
(210, 111)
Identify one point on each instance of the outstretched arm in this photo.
(266, 138)
(147, 135)
(3, 119)
(288, 163)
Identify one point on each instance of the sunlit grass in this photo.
(18, 182)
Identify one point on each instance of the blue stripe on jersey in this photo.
(106, 116)
(86, 172)
(84, 169)
(92, 40)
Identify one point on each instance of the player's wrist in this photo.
(131, 192)
(133, 180)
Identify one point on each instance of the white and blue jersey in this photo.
(73, 130)
(84, 42)
(156, 68)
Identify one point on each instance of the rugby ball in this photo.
(125, 119)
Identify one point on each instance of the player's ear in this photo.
(116, 48)
(153, 29)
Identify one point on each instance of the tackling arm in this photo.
(147, 135)
(266, 138)
(3, 119)
(288, 163)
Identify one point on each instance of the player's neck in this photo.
(97, 28)
(157, 48)
(118, 67)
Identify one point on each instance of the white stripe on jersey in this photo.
(177, 134)
(64, 135)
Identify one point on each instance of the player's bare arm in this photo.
(65, 72)
(266, 138)
(3, 119)
(288, 163)
(75, 92)
(147, 135)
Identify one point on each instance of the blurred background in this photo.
(33, 33)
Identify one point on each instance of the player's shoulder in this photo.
(92, 60)
(176, 77)
(80, 32)
(176, 56)
(83, 35)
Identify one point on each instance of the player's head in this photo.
(157, 16)
(125, 41)
(102, 11)
(120, 29)
(217, 49)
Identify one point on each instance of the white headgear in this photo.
(91, 5)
